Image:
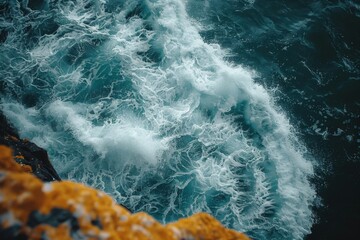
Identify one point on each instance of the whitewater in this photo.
(128, 98)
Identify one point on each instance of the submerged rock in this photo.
(33, 209)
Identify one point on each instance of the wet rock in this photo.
(26, 152)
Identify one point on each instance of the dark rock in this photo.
(55, 217)
(13, 232)
(26, 152)
(96, 222)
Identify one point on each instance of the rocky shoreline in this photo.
(36, 204)
(26, 152)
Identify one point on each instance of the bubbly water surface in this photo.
(129, 98)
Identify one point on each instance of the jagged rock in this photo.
(26, 152)
(32, 209)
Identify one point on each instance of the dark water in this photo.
(247, 110)
(310, 52)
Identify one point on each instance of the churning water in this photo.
(146, 101)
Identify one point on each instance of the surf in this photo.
(127, 97)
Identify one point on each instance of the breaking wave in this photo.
(127, 97)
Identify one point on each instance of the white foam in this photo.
(189, 60)
(123, 140)
(172, 139)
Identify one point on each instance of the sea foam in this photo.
(130, 99)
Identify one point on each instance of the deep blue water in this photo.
(244, 109)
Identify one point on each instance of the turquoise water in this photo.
(151, 102)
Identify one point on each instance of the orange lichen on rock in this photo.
(21, 194)
(67, 210)
(203, 226)
(6, 160)
(87, 205)
(61, 232)
(8, 164)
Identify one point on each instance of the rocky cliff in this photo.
(27, 153)
(31, 207)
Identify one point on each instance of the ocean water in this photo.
(246, 110)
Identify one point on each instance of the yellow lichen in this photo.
(59, 233)
(8, 164)
(203, 226)
(26, 168)
(22, 193)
